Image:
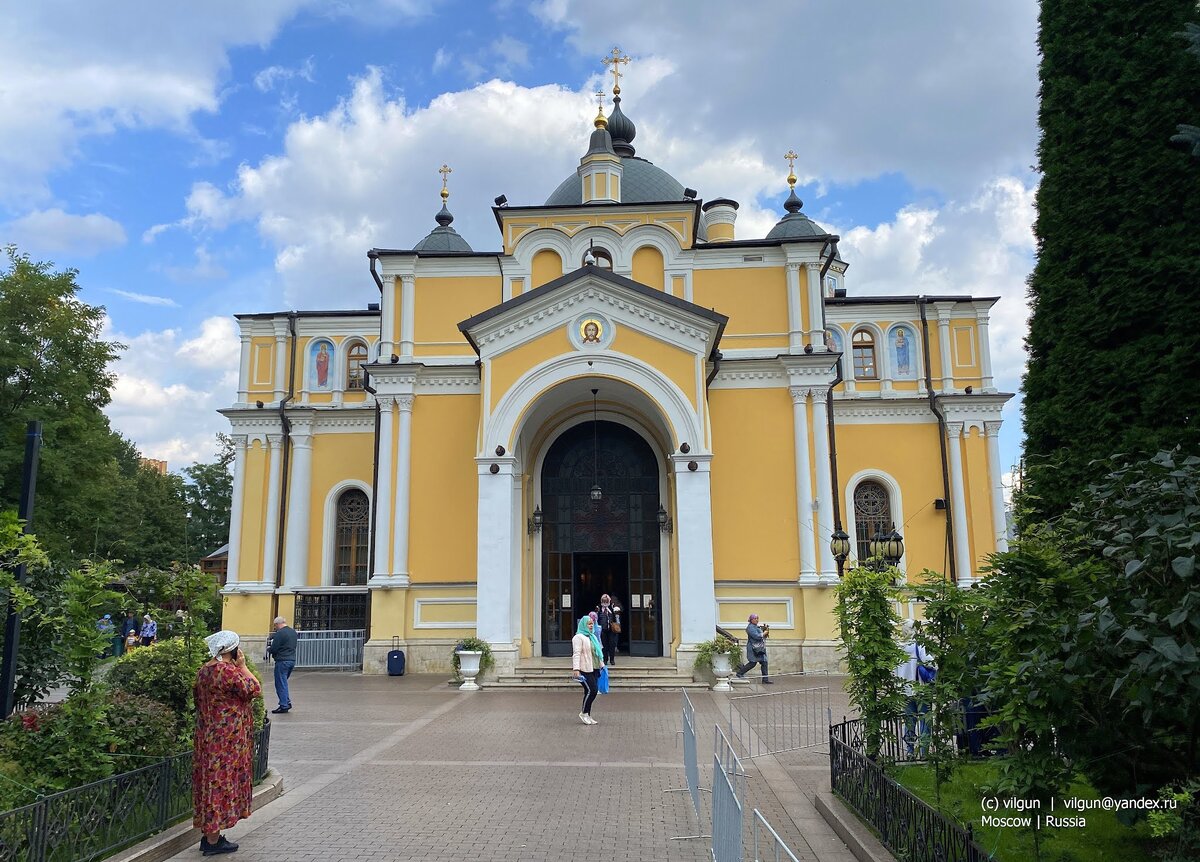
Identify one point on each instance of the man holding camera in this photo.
(756, 649)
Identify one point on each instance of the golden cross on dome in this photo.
(445, 170)
(791, 157)
(615, 60)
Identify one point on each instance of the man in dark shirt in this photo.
(282, 648)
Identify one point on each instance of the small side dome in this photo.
(622, 129)
(443, 237)
(795, 225)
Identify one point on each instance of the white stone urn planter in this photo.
(722, 669)
(468, 666)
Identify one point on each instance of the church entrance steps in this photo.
(645, 674)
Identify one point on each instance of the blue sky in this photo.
(194, 162)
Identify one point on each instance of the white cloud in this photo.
(513, 54)
(205, 268)
(53, 230)
(145, 298)
(169, 387)
(441, 59)
(272, 76)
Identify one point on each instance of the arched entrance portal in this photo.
(610, 545)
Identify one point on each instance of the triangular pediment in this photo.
(592, 294)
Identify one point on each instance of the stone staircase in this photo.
(629, 674)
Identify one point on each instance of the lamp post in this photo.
(887, 548)
(839, 545)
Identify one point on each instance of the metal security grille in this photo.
(872, 515)
(331, 611)
(353, 538)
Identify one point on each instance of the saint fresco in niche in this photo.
(320, 366)
(833, 341)
(902, 343)
(591, 331)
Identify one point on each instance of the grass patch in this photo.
(1102, 839)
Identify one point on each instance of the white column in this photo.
(408, 303)
(236, 509)
(383, 493)
(281, 334)
(693, 524)
(958, 505)
(493, 596)
(804, 493)
(816, 302)
(985, 352)
(943, 313)
(795, 321)
(402, 488)
(295, 561)
(387, 319)
(996, 474)
(244, 371)
(824, 484)
(271, 531)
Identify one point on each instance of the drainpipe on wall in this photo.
(922, 302)
(831, 248)
(286, 453)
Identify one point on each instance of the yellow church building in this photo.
(626, 396)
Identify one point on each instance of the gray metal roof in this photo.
(795, 225)
(641, 182)
(443, 238)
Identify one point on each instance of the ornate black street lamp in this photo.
(839, 544)
(887, 548)
(665, 524)
(534, 524)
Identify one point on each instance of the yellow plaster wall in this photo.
(753, 485)
(720, 232)
(442, 534)
(506, 369)
(648, 267)
(262, 364)
(911, 456)
(442, 303)
(820, 623)
(389, 614)
(254, 507)
(335, 458)
(679, 224)
(755, 299)
(676, 364)
(285, 606)
(979, 497)
(246, 613)
(770, 601)
(546, 267)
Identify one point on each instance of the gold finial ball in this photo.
(791, 180)
(445, 193)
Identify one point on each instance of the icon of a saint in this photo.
(591, 331)
(322, 361)
(903, 362)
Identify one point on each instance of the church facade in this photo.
(625, 397)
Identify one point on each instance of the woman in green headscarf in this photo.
(587, 657)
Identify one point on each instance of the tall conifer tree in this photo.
(1114, 337)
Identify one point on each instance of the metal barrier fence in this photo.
(340, 649)
(784, 721)
(767, 841)
(901, 739)
(729, 789)
(95, 820)
(691, 763)
(908, 827)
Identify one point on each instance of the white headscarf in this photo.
(222, 641)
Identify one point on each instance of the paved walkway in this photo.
(379, 768)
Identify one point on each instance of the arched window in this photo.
(865, 367)
(356, 357)
(872, 514)
(602, 255)
(353, 538)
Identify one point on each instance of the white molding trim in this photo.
(507, 418)
(786, 601)
(877, 411)
(419, 604)
(456, 267)
(329, 525)
(895, 500)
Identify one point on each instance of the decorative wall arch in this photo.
(329, 524)
(343, 359)
(877, 335)
(891, 362)
(314, 363)
(506, 420)
(894, 498)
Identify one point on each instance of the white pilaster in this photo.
(383, 493)
(244, 371)
(996, 477)
(236, 508)
(271, 531)
(824, 484)
(295, 571)
(943, 313)
(816, 300)
(804, 494)
(387, 319)
(494, 578)
(408, 304)
(985, 352)
(958, 506)
(400, 521)
(795, 322)
(697, 591)
(281, 335)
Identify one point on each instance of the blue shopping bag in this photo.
(602, 683)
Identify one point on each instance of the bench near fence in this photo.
(93, 821)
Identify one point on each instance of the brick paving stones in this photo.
(379, 768)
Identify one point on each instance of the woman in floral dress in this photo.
(223, 764)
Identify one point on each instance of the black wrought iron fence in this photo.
(908, 827)
(95, 820)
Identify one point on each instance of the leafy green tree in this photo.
(209, 494)
(1114, 350)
